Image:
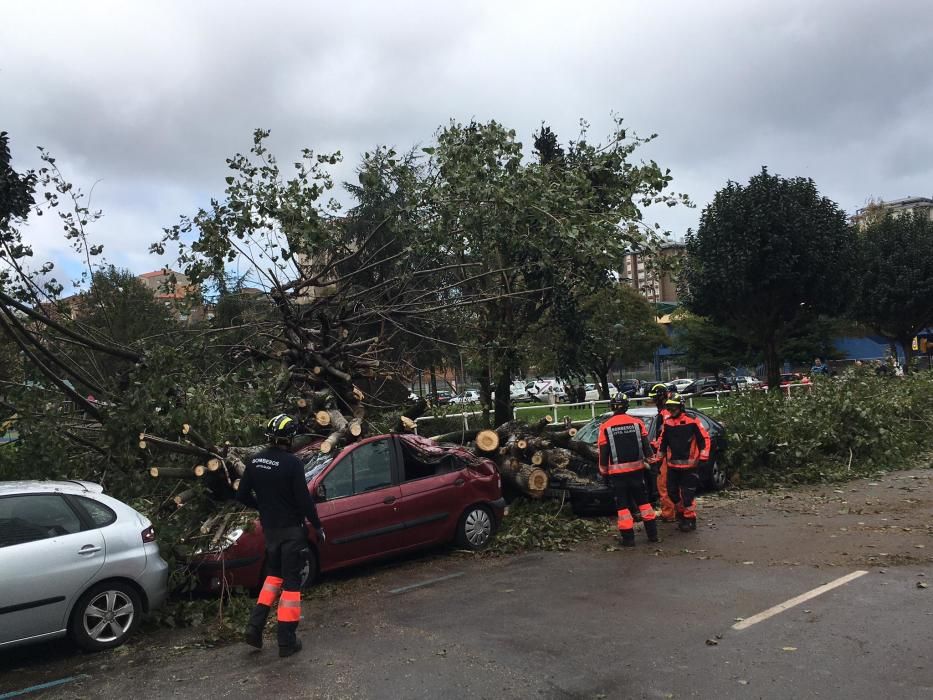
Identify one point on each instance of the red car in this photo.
(378, 497)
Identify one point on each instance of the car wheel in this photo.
(717, 477)
(310, 570)
(476, 528)
(105, 616)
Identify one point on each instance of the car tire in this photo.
(716, 481)
(310, 571)
(476, 528)
(105, 616)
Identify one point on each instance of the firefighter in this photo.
(623, 448)
(274, 483)
(660, 392)
(683, 445)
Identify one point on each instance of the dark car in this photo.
(709, 384)
(629, 387)
(376, 498)
(594, 498)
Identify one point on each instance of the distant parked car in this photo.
(467, 397)
(74, 561)
(679, 385)
(376, 498)
(630, 387)
(443, 398)
(592, 391)
(708, 384)
(745, 383)
(595, 498)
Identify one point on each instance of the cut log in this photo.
(337, 420)
(199, 470)
(531, 480)
(142, 444)
(213, 464)
(521, 444)
(171, 473)
(461, 437)
(406, 421)
(221, 530)
(322, 418)
(355, 427)
(487, 440)
(333, 441)
(559, 458)
(543, 423)
(198, 439)
(184, 497)
(538, 457)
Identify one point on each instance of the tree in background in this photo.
(544, 232)
(895, 278)
(765, 255)
(619, 328)
(707, 347)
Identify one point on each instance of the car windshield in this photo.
(316, 465)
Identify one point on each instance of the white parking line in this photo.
(786, 605)
(405, 589)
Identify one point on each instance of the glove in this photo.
(321, 537)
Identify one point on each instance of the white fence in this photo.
(554, 408)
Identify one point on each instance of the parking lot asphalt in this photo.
(656, 622)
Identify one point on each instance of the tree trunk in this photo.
(773, 363)
(907, 344)
(503, 404)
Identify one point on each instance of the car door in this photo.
(433, 497)
(360, 512)
(46, 561)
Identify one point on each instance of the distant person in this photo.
(818, 368)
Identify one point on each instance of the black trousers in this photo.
(286, 553)
(628, 489)
(682, 487)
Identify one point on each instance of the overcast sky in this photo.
(149, 98)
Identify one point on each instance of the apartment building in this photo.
(897, 207)
(651, 274)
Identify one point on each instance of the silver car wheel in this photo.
(477, 527)
(109, 616)
(718, 476)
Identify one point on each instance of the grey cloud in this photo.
(152, 99)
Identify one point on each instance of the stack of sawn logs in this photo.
(531, 457)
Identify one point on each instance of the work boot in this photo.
(256, 624)
(627, 538)
(254, 636)
(293, 648)
(687, 525)
(651, 529)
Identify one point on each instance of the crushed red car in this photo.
(376, 498)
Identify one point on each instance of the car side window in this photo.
(372, 466)
(99, 514)
(35, 517)
(339, 480)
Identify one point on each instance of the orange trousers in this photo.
(667, 505)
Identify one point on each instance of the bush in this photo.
(846, 426)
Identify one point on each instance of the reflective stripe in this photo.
(624, 467)
(270, 590)
(625, 520)
(682, 463)
(290, 606)
(647, 512)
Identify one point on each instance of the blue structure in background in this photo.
(872, 347)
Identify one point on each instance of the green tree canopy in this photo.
(895, 291)
(764, 255)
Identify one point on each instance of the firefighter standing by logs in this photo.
(683, 444)
(277, 479)
(659, 393)
(623, 448)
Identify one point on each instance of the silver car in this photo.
(74, 561)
